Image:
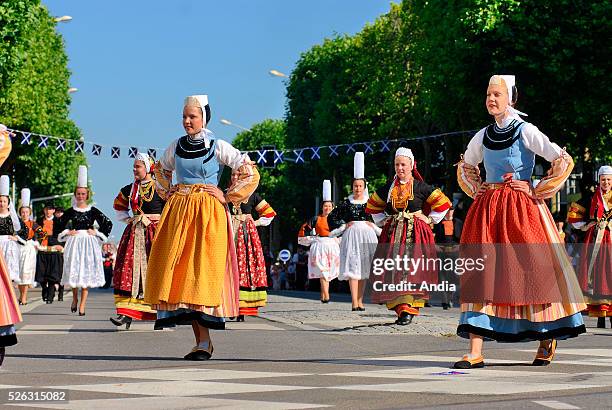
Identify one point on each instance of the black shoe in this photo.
(404, 319)
(240, 318)
(445, 306)
(157, 327)
(2, 352)
(467, 363)
(81, 313)
(48, 302)
(60, 297)
(601, 322)
(355, 309)
(121, 320)
(361, 309)
(199, 355)
(324, 301)
(73, 309)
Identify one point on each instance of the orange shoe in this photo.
(544, 355)
(467, 363)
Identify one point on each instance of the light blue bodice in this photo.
(202, 169)
(515, 159)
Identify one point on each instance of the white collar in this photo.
(204, 134)
(506, 121)
(49, 219)
(82, 209)
(352, 199)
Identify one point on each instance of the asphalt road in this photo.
(298, 354)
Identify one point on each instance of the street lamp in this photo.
(277, 73)
(63, 19)
(226, 122)
(72, 90)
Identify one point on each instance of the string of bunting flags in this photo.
(64, 144)
(265, 157)
(301, 155)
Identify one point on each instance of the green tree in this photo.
(559, 51)
(34, 80)
(274, 185)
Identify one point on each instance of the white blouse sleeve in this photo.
(167, 160)
(230, 156)
(539, 143)
(122, 216)
(436, 217)
(473, 154)
(264, 221)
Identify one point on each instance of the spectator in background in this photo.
(300, 259)
(291, 273)
(275, 276)
(59, 211)
(445, 230)
(109, 261)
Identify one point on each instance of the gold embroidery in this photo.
(607, 197)
(401, 194)
(146, 191)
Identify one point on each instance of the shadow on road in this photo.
(92, 358)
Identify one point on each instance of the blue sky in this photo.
(134, 61)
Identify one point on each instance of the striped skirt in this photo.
(504, 216)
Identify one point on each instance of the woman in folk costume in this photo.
(9, 310)
(528, 289)
(324, 255)
(13, 232)
(27, 264)
(50, 257)
(83, 251)
(406, 207)
(192, 272)
(359, 235)
(130, 272)
(249, 253)
(594, 216)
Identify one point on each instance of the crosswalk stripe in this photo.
(191, 374)
(164, 403)
(553, 404)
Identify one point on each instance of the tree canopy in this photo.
(423, 68)
(34, 82)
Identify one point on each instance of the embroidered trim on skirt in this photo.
(251, 266)
(404, 236)
(130, 271)
(83, 264)
(324, 258)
